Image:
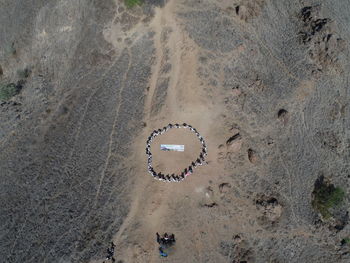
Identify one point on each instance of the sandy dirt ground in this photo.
(176, 207)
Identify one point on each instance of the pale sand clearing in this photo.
(173, 207)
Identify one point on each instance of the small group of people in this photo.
(110, 253)
(187, 171)
(155, 133)
(165, 242)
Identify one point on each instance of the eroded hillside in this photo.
(264, 82)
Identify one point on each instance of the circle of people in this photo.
(188, 170)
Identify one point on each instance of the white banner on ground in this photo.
(172, 147)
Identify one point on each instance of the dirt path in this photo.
(168, 207)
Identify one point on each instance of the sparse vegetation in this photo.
(23, 73)
(346, 241)
(132, 3)
(326, 196)
(7, 91)
(10, 49)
